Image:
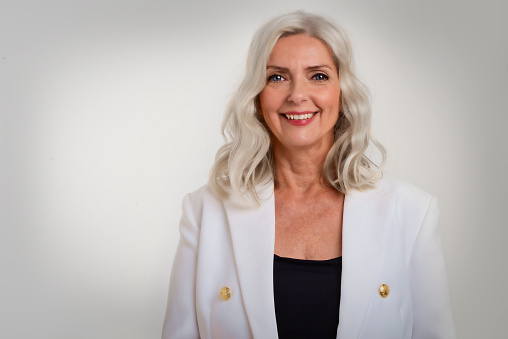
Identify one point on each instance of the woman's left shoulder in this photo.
(403, 191)
(411, 202)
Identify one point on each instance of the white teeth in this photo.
(299, 116)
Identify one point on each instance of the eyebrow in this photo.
(285, 69)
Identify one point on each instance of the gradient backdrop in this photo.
(110, 112)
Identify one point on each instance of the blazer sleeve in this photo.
(432, 307)
(181, 319)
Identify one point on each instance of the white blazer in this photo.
(390, 236)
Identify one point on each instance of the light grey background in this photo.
(110, 112)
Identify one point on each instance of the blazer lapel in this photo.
(363, 243)
(253, 235)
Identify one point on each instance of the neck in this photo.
(300, 170)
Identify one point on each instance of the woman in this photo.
(298, 234)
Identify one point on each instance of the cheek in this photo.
(264, 107)
(269, 101)
(331, 99)
(262, 103)
(268, 108)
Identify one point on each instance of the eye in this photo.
(275, 78)
(320, 77)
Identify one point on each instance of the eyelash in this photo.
(271, 77)
(323, 77)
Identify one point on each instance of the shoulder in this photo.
(408, 203)
(200, 197)
(207, 196)
(407, 194)
(205, 201)
(403, 193)
(412, 204)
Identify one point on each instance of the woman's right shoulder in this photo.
(207, 196)
(200, 197)
(203, 209)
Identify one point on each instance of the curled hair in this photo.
(246, 160)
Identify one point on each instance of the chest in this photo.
(308, 228)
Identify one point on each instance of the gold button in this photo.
(225, 293)
(384, 290)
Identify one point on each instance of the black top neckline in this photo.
(308, 261)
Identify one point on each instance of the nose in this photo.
(297, 92)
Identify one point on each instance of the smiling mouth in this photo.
(299, 116)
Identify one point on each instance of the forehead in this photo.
(301, 49)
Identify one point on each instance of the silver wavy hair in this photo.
(245, 160)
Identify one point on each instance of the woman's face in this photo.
(301, 99)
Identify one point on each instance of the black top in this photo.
(307, 297)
